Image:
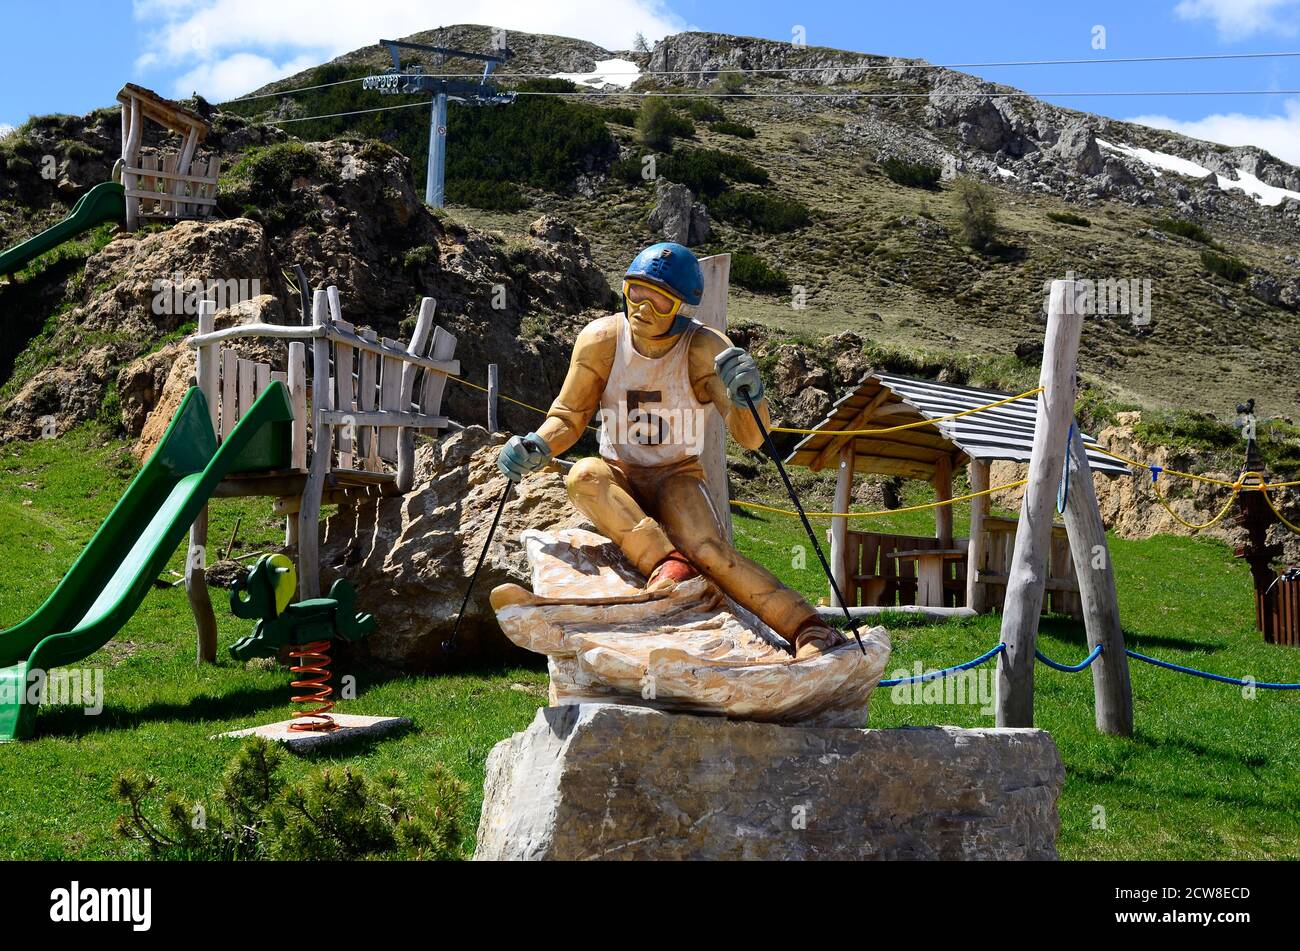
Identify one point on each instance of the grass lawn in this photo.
(1209, 773)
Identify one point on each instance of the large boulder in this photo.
(600, 781)
(1077, 149)
(411, 557)
(677, 216)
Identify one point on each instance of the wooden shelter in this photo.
(171, 186)
(874, 568)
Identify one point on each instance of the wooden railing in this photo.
(159, 191)
(357, 412)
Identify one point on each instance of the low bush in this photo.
(772, 214)
(1224, 266)
(1069, 218)
(485, 193)
(706, 171)
(911, 174)
(1183, 229)
(738, 129)
(619, 115)
(334, 814)
(751, 272)
(701, 110)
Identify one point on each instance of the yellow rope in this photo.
(1196, 528)
(510, 399)
(1280, 517)
(1262, 486)
(880, 512)
(915, 425)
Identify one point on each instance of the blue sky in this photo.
(73, 55)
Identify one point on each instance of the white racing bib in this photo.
(649, 414)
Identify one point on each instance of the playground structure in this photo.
(117, 568)
(878, 570)
(304, 628)
(243, 431)
(146, 187)
(165, 187)
(366, 399)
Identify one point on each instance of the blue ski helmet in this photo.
(673, 267)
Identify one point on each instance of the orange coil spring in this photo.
(313, 675)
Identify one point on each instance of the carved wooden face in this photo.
(650, 310)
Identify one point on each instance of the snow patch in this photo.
(1160, 161)
(1262, 192)
(608, 72)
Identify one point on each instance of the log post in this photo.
(976, 593)
(322, 449)
(943, 492)
(493, 396)
(196, 575)
(1027, 576)
(1096, 574)
(131, 159)
(840, 526)
(712, 312)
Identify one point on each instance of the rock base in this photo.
(601, 781)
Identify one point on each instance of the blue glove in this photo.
(522, 455)
(739, 374)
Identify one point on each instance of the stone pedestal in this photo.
(601, 781)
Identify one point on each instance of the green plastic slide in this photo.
(116, 570)
(105, 202)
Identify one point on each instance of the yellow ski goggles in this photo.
(662, 303)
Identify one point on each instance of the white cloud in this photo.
(236, 74)
(1279, 134)
(227, 47)
(1238, 19)
(5, 129)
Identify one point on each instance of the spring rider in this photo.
(305, 627)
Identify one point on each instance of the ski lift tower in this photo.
(396, 82)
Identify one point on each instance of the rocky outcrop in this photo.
(598, 781)
(1130, 509)
(677, 216)
(368, 232)
(1076, 148)
(981, 121)
(411, 557)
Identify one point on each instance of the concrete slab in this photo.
(351, 727)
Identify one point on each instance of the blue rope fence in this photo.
(1070, 668)
(935, 674)
(1263, 685)
(1084, 665)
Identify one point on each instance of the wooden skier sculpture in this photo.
(654, 374)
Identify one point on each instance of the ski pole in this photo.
(812, 536)
(449, 645)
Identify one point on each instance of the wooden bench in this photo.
(1061, 593)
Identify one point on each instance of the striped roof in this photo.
(882, 400)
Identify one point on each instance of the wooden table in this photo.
(929, 571)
